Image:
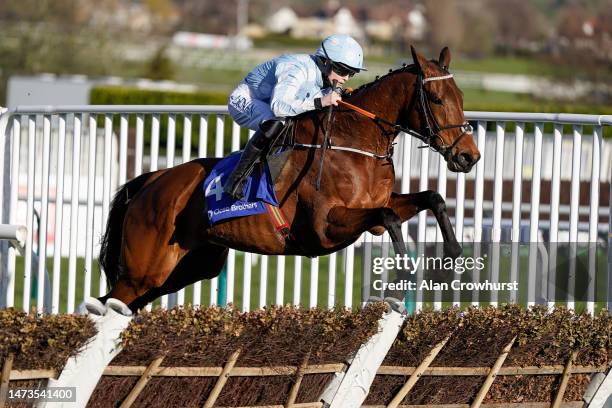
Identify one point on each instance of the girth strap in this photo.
(348, 149)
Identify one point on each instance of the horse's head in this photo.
(437, 113)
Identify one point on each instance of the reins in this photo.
(444, 149)
(330, 146)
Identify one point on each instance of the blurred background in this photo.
(508, 55)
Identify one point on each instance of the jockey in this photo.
(287, 86)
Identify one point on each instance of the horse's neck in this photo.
(389, 97)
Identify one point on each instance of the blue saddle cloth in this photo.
(259, 189)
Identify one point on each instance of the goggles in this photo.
(343, 70)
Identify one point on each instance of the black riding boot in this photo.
(259, 142)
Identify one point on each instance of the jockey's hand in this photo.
(330, 99)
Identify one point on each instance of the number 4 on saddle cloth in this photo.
(259, 195)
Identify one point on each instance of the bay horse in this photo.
(158, 238)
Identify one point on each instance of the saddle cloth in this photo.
(259, 186)
(259, 189)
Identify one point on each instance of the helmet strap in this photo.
(327, 62)
(325, 66)
(326, 81)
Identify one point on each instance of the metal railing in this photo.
(64, 156)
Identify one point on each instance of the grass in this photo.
(323, 281)
(286, 43)
(221, 79)
(474, 99)
(510, 65)
(380, 54)
(322, 284)
(481, 100)
(80, 281)
(224, 79)
(479, 97)
(489, 64)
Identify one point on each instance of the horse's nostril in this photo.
(466, 159)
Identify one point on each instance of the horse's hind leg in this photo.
(146, 274)
(408, 205)
(149, 256)
(204, 262)
(152, 243)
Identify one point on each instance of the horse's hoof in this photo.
(396, 304)
(118, 306)
(374, 299)
(452, 250)
(92, 306)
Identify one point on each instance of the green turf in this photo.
(322, 282)
(205, 296)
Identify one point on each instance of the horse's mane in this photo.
(378, 80)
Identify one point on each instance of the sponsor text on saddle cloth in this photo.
(259, 193)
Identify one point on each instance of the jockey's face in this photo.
(340, 73)
(333, 76)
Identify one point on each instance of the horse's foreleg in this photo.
(408, 205)
(348, 223)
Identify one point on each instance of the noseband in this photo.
(432, 127)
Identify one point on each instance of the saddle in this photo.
(278, 153)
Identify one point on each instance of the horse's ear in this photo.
(445, 57)
(418, 59)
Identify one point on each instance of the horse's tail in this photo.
(110, 251)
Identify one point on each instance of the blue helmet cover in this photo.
(342, 48)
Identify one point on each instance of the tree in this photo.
(524, 24)
(52, 36)
(480, 28)
(160, 67)
(207, 16)
(165, 15)
(445, 25)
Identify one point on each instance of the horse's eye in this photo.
(434, 98)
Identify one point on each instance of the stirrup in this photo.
(236, 190)
(268, 130)
(234, 185)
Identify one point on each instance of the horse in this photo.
(159, 240)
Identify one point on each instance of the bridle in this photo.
(432, 127)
